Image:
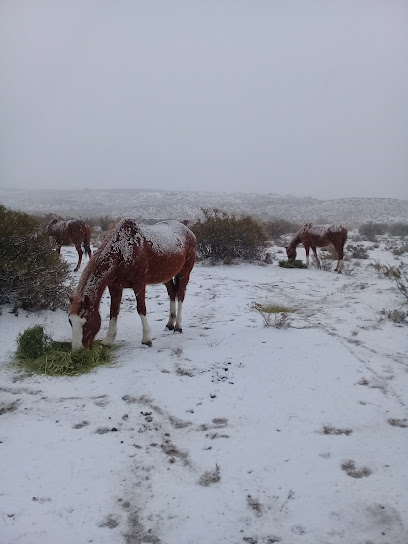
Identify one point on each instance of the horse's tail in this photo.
(87, 241)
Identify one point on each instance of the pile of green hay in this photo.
(292, 263)
(37, 352)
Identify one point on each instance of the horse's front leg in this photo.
(171, 290)
(141, 310)
(116, 298)
(316, 257)
(80, 253)
(307, 249)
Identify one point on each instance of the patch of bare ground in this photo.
(351, 470)
(403, 423)
(210, 477)
(329, 429)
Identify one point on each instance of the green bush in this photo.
(224, 237)
(398, 229)
(32, 275)
(370, 230)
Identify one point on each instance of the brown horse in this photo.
(312, 236)
(133, 256)
(68, 233)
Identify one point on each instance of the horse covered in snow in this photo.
(313, 236)
(133, 256)
(74, 232)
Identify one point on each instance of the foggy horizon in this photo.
(301, 99)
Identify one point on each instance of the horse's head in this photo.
(85, 321)
(291, 252)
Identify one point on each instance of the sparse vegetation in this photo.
(31, 274)
(222, 237)
(37, 352)
(371, 230)
(274, 315)
(357, 251)
(399, 276)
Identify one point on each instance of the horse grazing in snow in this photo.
(312, 236)
(133, 256)
(68, 233)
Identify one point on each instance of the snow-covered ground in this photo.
(230, 432)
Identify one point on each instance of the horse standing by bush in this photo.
(74, 232)
(133, 256)
(312, 236)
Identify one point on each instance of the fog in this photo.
(288, 97)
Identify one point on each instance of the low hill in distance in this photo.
(147, 204)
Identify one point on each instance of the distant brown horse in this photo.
(68, 233)
(133, 256)
(312, 236)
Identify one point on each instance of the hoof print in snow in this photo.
(354, 472)
(8, 407)
(328, 429)
(210, 477)
(110, 522)
(81, 425)
(255, 505)
(102, 430)
(403, 423)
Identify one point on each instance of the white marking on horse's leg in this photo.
(179, 320)
(77, 324)
(172, 315)
(307, 260)
(112, 331)
(146, 339)
(340, 266)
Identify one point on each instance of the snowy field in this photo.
(232, 432)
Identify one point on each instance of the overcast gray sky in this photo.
(301, 97)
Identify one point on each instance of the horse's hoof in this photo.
(178, 329)
(75, 269)
(170, 326)
(149, 343)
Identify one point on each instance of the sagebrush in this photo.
(223, 237)
(32, 275)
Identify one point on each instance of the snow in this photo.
(229, 403)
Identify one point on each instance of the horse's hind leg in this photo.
(80, 253)
(141, 310)
(340, 261)
(116, 298)
(171, 290)
(181, 286)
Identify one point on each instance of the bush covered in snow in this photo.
(31, 272)
(224, 237)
